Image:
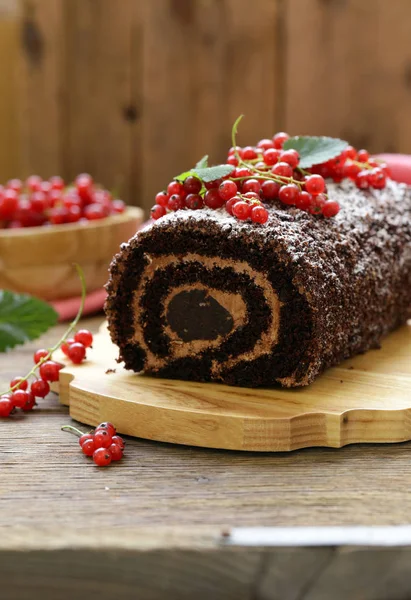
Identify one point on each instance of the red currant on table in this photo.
(6, 406)
(85, 337)
(106, 426)
(49, 371)
(116, 452)
(102, 457)
(76, 353)
(85, 437)
(119, 441)
(102, 438)
(18, 383)
(30, 403)
(40, 388)
(19, 398)
(88, 447)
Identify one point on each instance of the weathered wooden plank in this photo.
(42, 90)
(101, 111)
(347, 71)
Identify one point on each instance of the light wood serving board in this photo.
(366, 399)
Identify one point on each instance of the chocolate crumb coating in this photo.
(200, 295)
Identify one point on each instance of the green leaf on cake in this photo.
(202, 163)
(207, 174)
(23, 318)
(315, 150)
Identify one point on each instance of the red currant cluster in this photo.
(356, 165)
(40, 202)
(104, 445)
(20, 396)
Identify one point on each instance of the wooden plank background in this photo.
(136, 91)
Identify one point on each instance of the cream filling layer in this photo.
(233, 302)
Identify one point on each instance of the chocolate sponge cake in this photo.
(201, 295)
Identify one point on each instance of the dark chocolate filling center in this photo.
(195, 315)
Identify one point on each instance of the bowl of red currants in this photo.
(46, 226)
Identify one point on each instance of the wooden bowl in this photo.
(39, 261)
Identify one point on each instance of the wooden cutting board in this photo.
(366, 399)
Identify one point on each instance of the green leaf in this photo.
(23, 318)
(202, 163)
(213, 173)
(315, 150)
(184, 176)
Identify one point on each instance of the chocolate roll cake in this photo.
(200, 295)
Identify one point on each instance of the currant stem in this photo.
(62, 339)
(73, 430)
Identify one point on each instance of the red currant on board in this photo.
(66, 345)
(106, 426)
(76, 353)
(30, 403)
(49, 371)
(19, 398)
(6, 406)
(40, 355)
(85, 437)
(85, 337)
(88, 447)
(102, 438)
(19, 383)
(102, 457)
(40, 388)
(119, 441)
(116, 452)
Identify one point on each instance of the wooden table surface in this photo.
(177, 512)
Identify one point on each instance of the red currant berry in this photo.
(9, 203)
(59, 215)
(314, 184)
(270, 189)
(116, 452)
(157, 212)
(6, 406)
(119, 441)
(251, 185)
(66, 345)
(76, 353)
(362, 181)
(261, 166)
(18, 383)
(85, 437)
(84, 186)
(242, 172)
(162, 198)
(230, 203)
(57, 183)
(316, 204)
(349, 152)
(102, 457)
(271, 156)
(288, 193)
(259, 214)
(95, 211)
(30, 403)
(175, 202)
(107, 426)
(350, 170)
(85, 337)
(192, 185)
(265, 144)
(248, 153)
(49, 371)
(88, 447)
(174, 187)
(242, 210)
(303, 200)
(74, 214)
(194, 201)
(232, 160)
(15, 184)
(33, 183)
(40, 388)
(282, 169)
(291, 157)
(363, 156)
(102, 438)
(211, 185)
(234, 149)
(19, 398)
(279, 139)
(118, 206)
(377, 178)
(252, 196)
(40, 354)
(330, 208)
(212, 199)
(227, 189)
